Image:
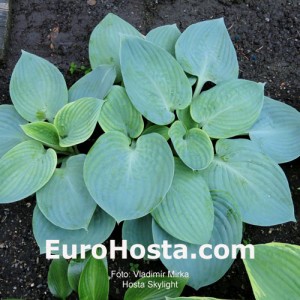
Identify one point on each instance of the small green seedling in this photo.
(76, 69)
(134, 267)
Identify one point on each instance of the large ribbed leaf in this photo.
(43, 132)
(193, 146)
(138, 231)
(154, 81)
(277, 131)
(105, 39)
(128, 179)
(11, 133)
(165, 37)
(77, 120)
(162, 130)
(100, 228)
(256, 182)
(147, 288)
(187, 212)
(227, 230)
(118, 114)
(94, 282)
(37, 88)
(58, 280)
(228, 109)
(65, 200)
(25, 169)
(205, 50)
(274, 273)
(95, 84)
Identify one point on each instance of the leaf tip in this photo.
(24, 52)
(262, 84)
(220, 21)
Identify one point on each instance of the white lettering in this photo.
(202, 249)
(114, 249)
(50, 248)
(141, 249)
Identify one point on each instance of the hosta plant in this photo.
(182, 149)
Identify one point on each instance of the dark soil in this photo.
(266, 36)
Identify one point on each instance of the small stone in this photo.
(91, 2)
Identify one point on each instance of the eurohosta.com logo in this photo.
(153, 251)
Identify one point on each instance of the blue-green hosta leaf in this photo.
(65, 200)
(77, 120)
(227, 230)
(24, 170)
(146, 288)
(154, 81)
(37, 88)
(205, 50)
(277, 131)
(193, 146)
(138, 231)
(192, 79)
(229, 108)
(43, 132)
(100, 228)
(187, 212)
(274, 273)
(118, 114)
(121, 174)
(162, 130)
(58, 280)
(95, 84)
(104, 45)
(255, 181)
(11, 133)
(165, 37)
(94, 282)
(184, 115)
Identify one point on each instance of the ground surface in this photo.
(266, 36)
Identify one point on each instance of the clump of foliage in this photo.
(173, 159)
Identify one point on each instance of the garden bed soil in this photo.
(266, 36)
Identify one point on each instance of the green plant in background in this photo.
(87, 277)
(134, 267)
(206, 161)
(82, 69)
